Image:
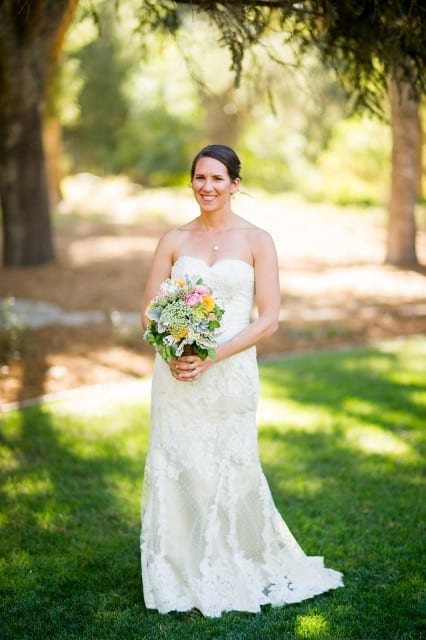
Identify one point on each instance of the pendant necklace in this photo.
(215, 247)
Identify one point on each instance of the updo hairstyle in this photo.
(224, 154)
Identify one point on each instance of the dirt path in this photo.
(335, 289)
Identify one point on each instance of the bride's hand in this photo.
(188, 368)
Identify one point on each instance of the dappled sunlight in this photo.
(378, 282)
(360, 410)
(289, 415)
(9, 462)
(310, 625)
(95, 400)
(359, 406)
(33, 485)
(375, 365)
(101, 437)
(107, 365)
(87, 251)
(306, 486)
(123, 488)
(416, 346)
(375, 440)
(390, 360)
(336, 236)
(48, 518)
(354, 388)
(123, 360)
(415, 356)
(123, 201)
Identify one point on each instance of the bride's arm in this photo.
(160, 270)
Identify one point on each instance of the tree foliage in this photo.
(363, 40)
(172, 108)
(102, 101)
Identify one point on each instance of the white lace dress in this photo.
(211, 535)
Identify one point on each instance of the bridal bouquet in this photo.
(183, 318)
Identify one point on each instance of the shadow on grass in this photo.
(70, 544)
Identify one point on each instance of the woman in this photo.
(211, 537)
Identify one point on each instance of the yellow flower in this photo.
(209, 303)
(180, 283)
(179, 333)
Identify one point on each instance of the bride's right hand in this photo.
(187, 368)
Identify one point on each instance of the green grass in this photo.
(342, 443)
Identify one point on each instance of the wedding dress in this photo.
(211, 536)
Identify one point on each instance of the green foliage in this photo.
(102, 102)
(363, 42)
(342, 443)
(12, 331)
(154, 146)
(287, 123)
(129, 118)
(353, 168)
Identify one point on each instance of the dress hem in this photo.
(258, 609)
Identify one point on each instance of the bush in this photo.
(12, 331)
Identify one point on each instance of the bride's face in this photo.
(212, 185)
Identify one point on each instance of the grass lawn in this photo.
(341, 435)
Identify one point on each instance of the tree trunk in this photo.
(420, 158)
(401, 246)
(52, 137)
(24, 196)
(28, 35)
(223, 123)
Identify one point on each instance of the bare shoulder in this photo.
(189, 226)
(263, 250)
(263, 237)
(243, 223)
(262, 240)
(168, 242)
(169, 237)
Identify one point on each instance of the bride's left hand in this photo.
(188, 368)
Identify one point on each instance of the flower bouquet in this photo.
(183, 318)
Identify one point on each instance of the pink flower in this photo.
(192, 299)
(202, 289)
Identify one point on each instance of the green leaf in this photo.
(167, 354)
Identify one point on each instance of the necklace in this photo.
(215, 247)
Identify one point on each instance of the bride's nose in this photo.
(208, 185)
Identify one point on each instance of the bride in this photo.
(211, 536)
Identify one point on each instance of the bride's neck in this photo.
(219, 222)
